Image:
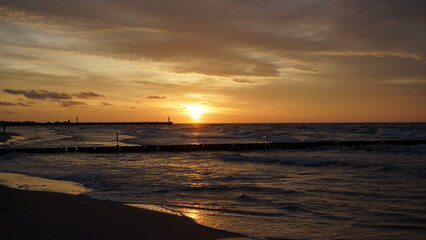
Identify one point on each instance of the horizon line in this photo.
(124, 122)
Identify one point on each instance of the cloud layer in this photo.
(87, 95)
(4, 103)
(43, 94)
(272, 53)
(64, 99)
(233, 38)
(39, 94)
(156, 97)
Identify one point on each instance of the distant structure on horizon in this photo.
(68, 123)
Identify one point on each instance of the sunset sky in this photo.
(213, 60)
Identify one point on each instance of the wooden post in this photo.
(117, 139)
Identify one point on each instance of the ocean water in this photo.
(368, 192)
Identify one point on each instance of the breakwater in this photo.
(2, 123)
(210, 147)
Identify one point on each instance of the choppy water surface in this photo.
(374, 192)
(64, 136)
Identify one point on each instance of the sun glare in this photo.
(196, 111)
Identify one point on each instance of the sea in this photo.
(333, 192)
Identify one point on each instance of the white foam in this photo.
(366, 130)
(24, 182)
(388, 132)
(154, 207)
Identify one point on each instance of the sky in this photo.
(213, 61)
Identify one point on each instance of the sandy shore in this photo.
(46, 215)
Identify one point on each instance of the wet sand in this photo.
(28, 214)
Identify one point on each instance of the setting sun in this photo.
(196, 111)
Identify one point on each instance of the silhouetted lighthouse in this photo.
(168, 120)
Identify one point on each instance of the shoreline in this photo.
(38, 208)
(28, 214)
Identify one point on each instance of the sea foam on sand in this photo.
(24, 182)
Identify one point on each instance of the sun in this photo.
(196, 111)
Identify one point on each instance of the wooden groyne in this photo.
(210, 147)
(2, 123)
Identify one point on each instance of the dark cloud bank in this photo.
(4, 103)
(64, 99)
(39, 94)
(72, 103)
(43, 94)
(87, 95)
(156, 97)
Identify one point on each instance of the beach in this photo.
(372, 191)
(26, 214)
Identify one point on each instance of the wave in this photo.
(385, 148)
(331, 216)
(353, 193)
(243, 177)
(178, 188)
(393, 227)
(222, 188)
(367, 129)
(232, 211)
(269, 190)
(246, 198)
(421, 148)
(292, 207)
(305, 162)
(88, 180)
(252, 213)
(390, 132)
